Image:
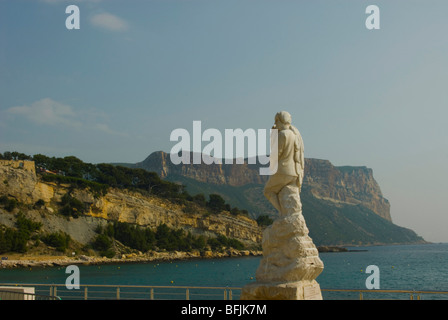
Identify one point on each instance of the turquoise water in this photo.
(406, 267)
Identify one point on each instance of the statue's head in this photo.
(283, 118)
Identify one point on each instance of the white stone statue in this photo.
(289, 161)
(290, 262)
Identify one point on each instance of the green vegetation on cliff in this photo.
(16, 240)
(163, 238)
(26, 231)
(345, 224)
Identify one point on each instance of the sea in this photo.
(422, 267)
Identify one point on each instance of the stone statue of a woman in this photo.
(288, 162)
(290, 262)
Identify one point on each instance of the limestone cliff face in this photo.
(132, 207)
(23, 184)
(234, 175)
(350, 185)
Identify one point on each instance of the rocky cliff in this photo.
(341, 205)
(349, 185)
(19, 181)
(343, 185)
(234, 175)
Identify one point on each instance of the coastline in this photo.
(153, 256)
(15, 260)
(30, 260)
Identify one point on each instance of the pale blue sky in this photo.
(115, 89)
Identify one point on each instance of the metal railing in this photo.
(386, 294)
(15, 295)
(137, 292)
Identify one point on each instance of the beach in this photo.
(29, 261)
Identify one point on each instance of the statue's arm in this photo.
(281, 144)
(299, 158)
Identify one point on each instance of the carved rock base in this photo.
(290, 262)
(300, 290)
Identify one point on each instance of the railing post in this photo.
(187, 294)
(118, 293)
(360, 295)
(230, 294)
(85, 293)
(151, 294)
(225, 294)
(55, 291)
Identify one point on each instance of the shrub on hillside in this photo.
(71, 207)
(59, 240)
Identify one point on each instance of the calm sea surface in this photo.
(405, 267)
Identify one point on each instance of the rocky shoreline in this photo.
(41, 261)
(152, 256)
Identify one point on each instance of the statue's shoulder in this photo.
(286, 133)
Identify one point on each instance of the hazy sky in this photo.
(114, 90)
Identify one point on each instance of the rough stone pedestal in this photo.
(300, 290)
(290, 262)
